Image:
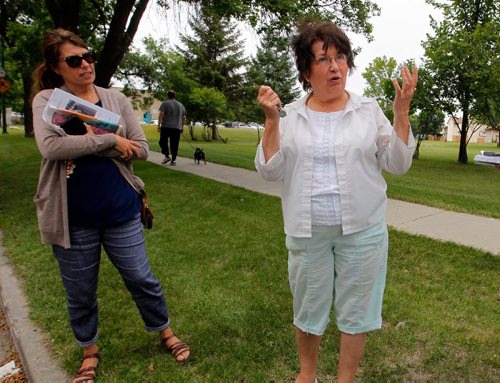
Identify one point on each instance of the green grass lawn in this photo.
(219, 253)
(436, 179)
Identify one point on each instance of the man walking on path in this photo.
(170, 125)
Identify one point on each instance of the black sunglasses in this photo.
(76, 61)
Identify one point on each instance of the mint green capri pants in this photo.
(348, 270)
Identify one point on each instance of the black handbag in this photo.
(146, 212)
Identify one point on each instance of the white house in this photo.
(482, 133)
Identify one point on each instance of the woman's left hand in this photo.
(89, 128)
(404, 94)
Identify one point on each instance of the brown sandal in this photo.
(177, 348)
(87, 374)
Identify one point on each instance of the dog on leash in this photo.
(199, 156)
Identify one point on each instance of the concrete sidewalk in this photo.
(470, 230)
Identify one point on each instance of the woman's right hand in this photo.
(269, 102)
(127, 148)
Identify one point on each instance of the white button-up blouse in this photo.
(364, 143)
(325, 196)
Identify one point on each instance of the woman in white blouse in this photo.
(329, 149)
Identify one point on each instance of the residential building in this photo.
(480, 133)
(145, 115)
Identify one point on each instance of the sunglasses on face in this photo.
(76, 61)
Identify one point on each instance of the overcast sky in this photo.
(398, 32)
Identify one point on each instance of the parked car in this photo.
(255, 125)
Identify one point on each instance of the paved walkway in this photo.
(474, 231)
(470, 230)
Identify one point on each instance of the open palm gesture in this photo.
(404, 93)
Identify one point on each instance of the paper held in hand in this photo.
(63, 105)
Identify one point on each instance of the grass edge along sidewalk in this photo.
(437, 179)
(475, 231)
(218, 251)
(29, 341)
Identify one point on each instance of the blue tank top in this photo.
(98, 195)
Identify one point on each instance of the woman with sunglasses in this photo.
(87, 197)
(329, 149)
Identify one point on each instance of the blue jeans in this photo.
(79, 265)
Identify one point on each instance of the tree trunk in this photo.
(65, 14)
(416, 153)
(462, 153)
(118, 39)
(215, 136)
(28, 112)
(191, 132)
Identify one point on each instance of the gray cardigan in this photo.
(56, 147)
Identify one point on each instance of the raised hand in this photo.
(404, 93)
(269, 102)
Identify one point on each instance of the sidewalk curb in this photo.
(28, 339)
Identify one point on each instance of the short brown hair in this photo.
(44, 77)
(308, 34)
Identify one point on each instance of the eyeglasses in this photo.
(339, 58)
(76, 61)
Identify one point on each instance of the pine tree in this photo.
(273, 66)
(214, 54)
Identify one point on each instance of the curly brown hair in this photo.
(308, 34)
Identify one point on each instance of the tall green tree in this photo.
(156, 70)
(428, 122)
(378, 76)
(109, 26)
(425, 116)
(208, 106)
(116, 21)
(22, 24)
(214, 52)
(461, 57)
(214, 56)
(430, 118)
(486, 111)
(272, 65)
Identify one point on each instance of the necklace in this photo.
(70, 167)
(90, 95)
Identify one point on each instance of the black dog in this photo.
(199, 156)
